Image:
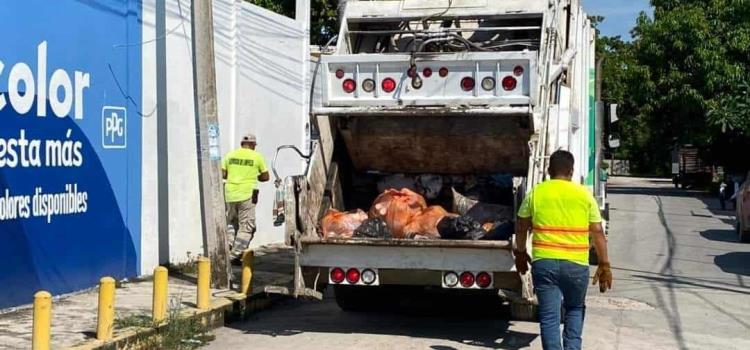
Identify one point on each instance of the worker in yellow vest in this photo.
(242, 169)
(561, 215)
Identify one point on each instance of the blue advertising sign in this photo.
(70, 144)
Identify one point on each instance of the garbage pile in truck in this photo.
(406, 214)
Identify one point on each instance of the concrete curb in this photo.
(230, 307)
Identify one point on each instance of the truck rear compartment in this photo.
(371, 154)
(434, 156)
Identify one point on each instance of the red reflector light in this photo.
(412, 72)
(467, 279)
(337, 275)
(484, 280)
(467, 84)
(518, 71)
(349, 86)
(352, 276)
(443, 72)
(427, 72)
(509, 83)
(389, 85)
(339, 73)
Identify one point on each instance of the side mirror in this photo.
(613, 141)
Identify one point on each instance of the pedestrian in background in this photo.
(561, 215)
(723, 192)
(242, 169)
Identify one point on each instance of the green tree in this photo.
(683, 79)
(323, 16)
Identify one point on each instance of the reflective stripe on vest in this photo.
(559, 242)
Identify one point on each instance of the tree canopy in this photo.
(323, 16)
(683, 79)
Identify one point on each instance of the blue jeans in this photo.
(559, 282)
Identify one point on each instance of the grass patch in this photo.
(138, 320)
(177, 332)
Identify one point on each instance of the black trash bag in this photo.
(373, 228)
(501, 231)
(461, 227)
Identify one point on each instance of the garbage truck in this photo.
(461, 90)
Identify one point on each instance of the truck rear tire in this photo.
(357, 298)
(524, 312)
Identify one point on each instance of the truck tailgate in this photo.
(438, 255)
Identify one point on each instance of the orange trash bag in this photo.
(336, 224)
(425, 223)
(397, 208)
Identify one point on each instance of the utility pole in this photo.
(209, 158)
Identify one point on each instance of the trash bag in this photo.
(498, 231)
(460, 227)
(480, 211)
(430, 186)
(336, 224)
(396, 181)
(397, 208)
(373, 228)
(425, 224)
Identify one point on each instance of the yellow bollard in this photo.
(204, 283)
(106, 316)
(248, 258)
(42, 321)
(159, 305)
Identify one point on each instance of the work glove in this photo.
(603, 276)
(522, 261)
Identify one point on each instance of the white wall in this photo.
(261, 68)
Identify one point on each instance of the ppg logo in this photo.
(114, 127)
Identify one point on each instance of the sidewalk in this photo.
(74, 316)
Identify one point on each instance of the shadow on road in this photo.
(654, 191)
(721, 235)
(669, 304)
(737, 263)
(465, 328)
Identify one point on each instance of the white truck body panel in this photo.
(379, 10)
(436, 90)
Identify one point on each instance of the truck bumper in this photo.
(409, 262)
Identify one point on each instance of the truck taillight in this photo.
(412, 72)
(388, 85)
(443, 72)
(509, 83)
(337, 275)
(369, 276)
(467, 279)
(488, 84)
(427, 72)
(467, 84)
(352, 276)
(368, 85)
(349, 86)
(450, 279)
(339, 73)
(484, 280)
(518, 71)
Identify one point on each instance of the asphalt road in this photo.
(682, 281)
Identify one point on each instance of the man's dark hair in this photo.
(561, 163)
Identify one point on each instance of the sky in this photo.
(619, 15)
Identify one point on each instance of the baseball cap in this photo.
(249, 138)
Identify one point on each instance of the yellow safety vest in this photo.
(243, 167)
(560, 212)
